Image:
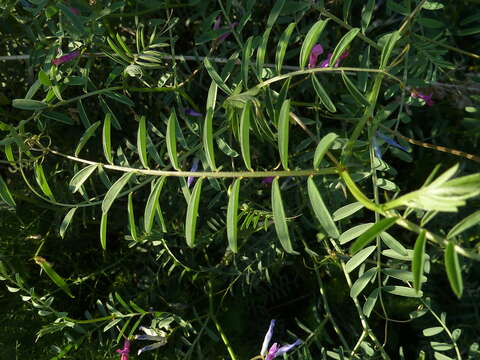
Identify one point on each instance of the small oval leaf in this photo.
(142, 142)
(310, 40)
(232, 215)
(80, 177)
(192, 213)
(152, 203)
(359, 258)
(418, 260)
(320, 210)
(454, 272)
(113, 192)
(322, 95)
(322, 148)
(283, 132)
(244, 135)
(66, 221)
(371, 233)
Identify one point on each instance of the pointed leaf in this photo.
(359, 258)
(322, 94)
(42, 181)
(310, 40)
(103, 230)
(215, 77)
(192, 213)
(465, 224)
(131, 218)
(83, 114)
(283, 132)
(342, 45)
(354, 232)
(106, 138)
(152, 203)
(208, 139)
(454, 272)
(244, 135)
(418, 260)
(393, 244)
(5, 194)
(320, 210)
(142, 142)
(362, 282)
(66, 221)
(275, 12)
(52, 274)
(388, 48)
(372, 233)
(280, 220)
(80, 177)
(370, 303)
(171, 140)
(232, 215)
(113, 192)
(246, 56)
(352, 89)
(28, 104)
(262, 49)
(86, 136)
(402, 291)
(322, 148)
(347, 210)
(282, 46)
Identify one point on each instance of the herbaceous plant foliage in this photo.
(239, 179)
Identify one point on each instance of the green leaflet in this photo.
(359, 258)
(113, 192)
(80, 177)
(66, 221)
(454, 272)
(353, 232)
(152, 204)
(353, 90)
(103, 230)
(322, 148)
(342, 45)
(418, 260)
(142, 142)
(83, 115)
(131, 217)
(52, 274)
(42, 181)
(310, 40)
(388, 48)
(464, 224)
(371, 233)
(283, 132)
(215, 77)
(261, 50)
(28, 104)
(280, 220)
(320, 210)
(232, 215)
(171, 140)
(208, 139)
(347, 210)
(322, 94)
(192, 213)
(246, 55)
(362, 282)
(244, 135)
(5, 194)
(402, 291)
(282, 47)
(276, 10)
(106, 138)
(86, 136)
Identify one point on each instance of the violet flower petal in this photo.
(125, 351)
(390, 141)
(272, 352)
(376, 148)
(427, 98)
(286, 348)
(268, 335)
(217, 23)
(316, 51)
(223, 37)
(191, 179)
(66, 58)
(192, 112)
(151, 347)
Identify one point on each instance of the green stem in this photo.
(217, 324)
(452, 48)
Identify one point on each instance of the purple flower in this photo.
(427, 98)
(268, 180)
(124, 352)
(192, 112)
(326, 63)
(316, 51)
(217, 23)
(388, 140)
(223, 37)
(191, 179)
(66, 58)
(275, 350)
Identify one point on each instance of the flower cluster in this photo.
(125, 351)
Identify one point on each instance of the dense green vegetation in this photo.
(176, 174)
